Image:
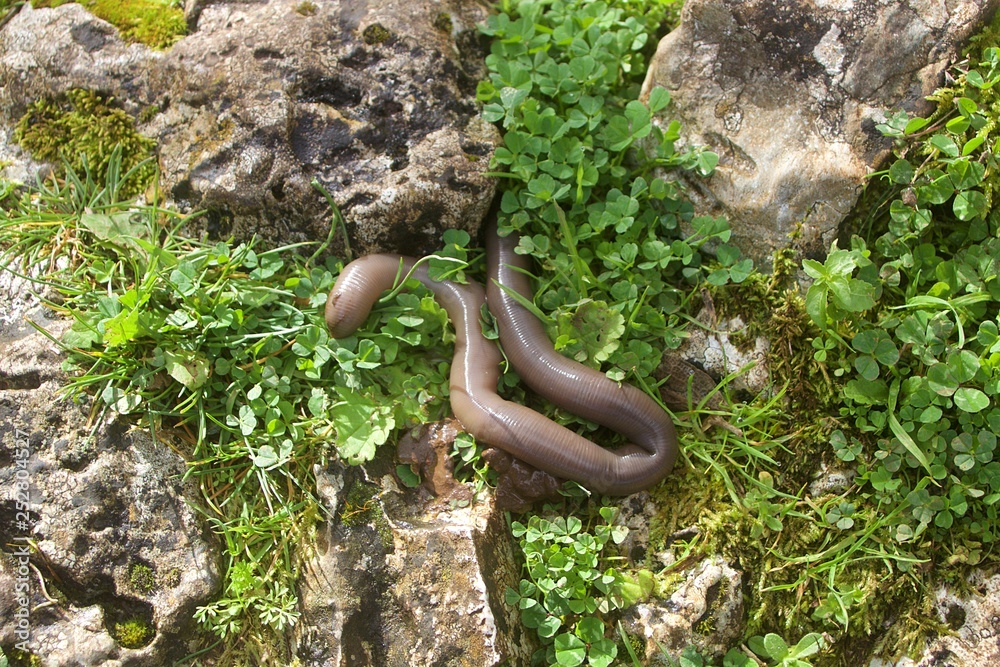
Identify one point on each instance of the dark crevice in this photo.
(330, 90)
(10, 531)
(711, 597)
(118, 610)
(28, 380)
(263, 53)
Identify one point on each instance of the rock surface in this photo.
(375, 100)
(789, 95)
(114, 539)
(975, 624)
(706, 611)
(395, 581)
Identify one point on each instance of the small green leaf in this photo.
(971, 399)
(265, 457)
(776, 647)
(549, 626)
(915, 125)
(969, 204)
(659, 98)
(570, 651)
(945, 144)
(901, 172)
(590, 629)
(408, 476)
(189, 368)
(362, 425)
(867, 367)
(602, 653)
(941, 380)
(957, 125)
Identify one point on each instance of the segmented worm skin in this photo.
(520, 431)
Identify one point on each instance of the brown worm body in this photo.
(475, 370)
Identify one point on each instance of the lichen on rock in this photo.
(789, 94)
(430, 594)
(107, 511)
(375, 102)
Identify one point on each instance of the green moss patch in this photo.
(155, 23)
(133, 633)
(84, 128)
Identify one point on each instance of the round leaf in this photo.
(590, 629)
(570, 651)
(901, 172)
(963, 365)
(970, 399)
(941, 380)
(549, 627)
(866, 367)
(602, 653)
(776, 647)
(969, 204)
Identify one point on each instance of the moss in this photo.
(306, 8)
(689, 494)
(84, 128)
(155, 23)
(772, 307)
(376, 33)
(142, 578)
(149, 113)
(133, 633)
(172, 579)
(362, 508)
(443, 22)
(19, 658)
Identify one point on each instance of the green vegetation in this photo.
(570, 587)
(234, 392)
(133, 633)
(376, 33)
(83, 130)
(914, 321)
(224, 349)
(155, 23)
(563, 81)
(142, 577)
(306, 8)
(897, 343)
(18, 658)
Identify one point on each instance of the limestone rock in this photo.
(714, 349)
(375, 100)
(114, 539)
(975, 624)
(705, 611)
(789, 93)
(395, 581)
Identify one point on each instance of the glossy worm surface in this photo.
(475, 370)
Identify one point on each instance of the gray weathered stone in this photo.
(706, 611)
(789, 93)
(712, 347)
(114, 539)
(396, 581)
(974, 622)
(375, 100)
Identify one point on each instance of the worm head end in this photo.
(337, 317)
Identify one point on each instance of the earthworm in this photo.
(518, 430)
